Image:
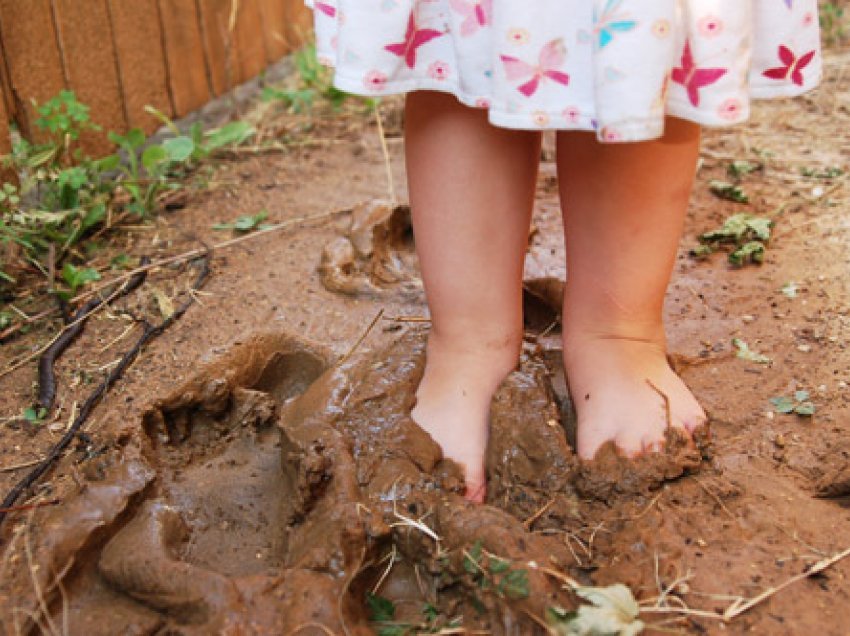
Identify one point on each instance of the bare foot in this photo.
(618, 387)
(453, 406)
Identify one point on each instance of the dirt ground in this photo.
(256, 471)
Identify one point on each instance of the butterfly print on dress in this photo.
(413, 39)
(693, 78)
(793, 66)
(552, 57)
(477, 14)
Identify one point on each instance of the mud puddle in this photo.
(279, 492)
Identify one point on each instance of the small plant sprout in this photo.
(740, 168)
(75, 278)
(798, 404)
(744, 352)
(747, 234)
(34, 415)
(494, 573)
(247, 223)
(728, 191)
(829, 172)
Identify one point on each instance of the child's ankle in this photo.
(483, 362)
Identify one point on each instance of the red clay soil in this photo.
(257, 472)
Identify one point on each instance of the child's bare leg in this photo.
(624, 208)
(471, 191)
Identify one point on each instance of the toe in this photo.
(476, 493)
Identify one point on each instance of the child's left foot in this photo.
(625, 391)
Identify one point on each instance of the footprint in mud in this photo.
(279, 490)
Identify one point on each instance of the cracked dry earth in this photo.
(244, 479)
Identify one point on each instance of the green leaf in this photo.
(805, 409)
(701, 252)
(748, 252)
(33, 415)
(121, 261)
(783, 404)
(380, 608)
(472, 559)
(234, 133)
(135, 138)
(728, 191)
(497, 565)
(514, 585)
(94, 216)
(745, 353)
(110, 162)
(5, 319)
(740, 168)
(801, 396)
(77, 277)
(153, 157)
(179, 149)
(430, 612)
(244, 223)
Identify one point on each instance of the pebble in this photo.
(842, 384)
(747, 318)
(805, 348)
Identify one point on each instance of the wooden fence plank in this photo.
(299, 23)
(250, 43)
(184, 55)
(144, 76)
(91, 66)
(218, 44)
(234, 56)
(273, 14)
(34, 60)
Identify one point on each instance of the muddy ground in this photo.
(256, 472)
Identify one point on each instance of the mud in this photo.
(373, 255)
(270, 492)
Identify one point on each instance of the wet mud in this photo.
(277, 489)
(373, 256)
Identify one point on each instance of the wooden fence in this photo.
(120, 55)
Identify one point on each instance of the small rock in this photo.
(805, 348)
(748, 318)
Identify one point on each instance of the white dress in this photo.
(611, 66)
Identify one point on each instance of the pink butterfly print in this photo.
(325, 8)
(552, 56)
(413, 39)
(793, 66)
(693, 78)
(477, 14)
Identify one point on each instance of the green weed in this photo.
(314, 85)
(833, 23)
(63, 195)
(746, 233)
(798, 404)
